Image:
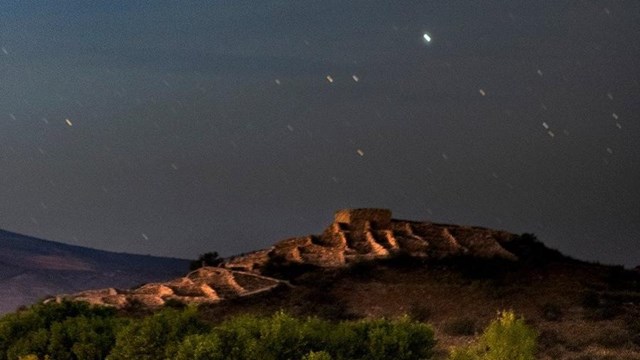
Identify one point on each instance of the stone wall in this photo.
(358, 218)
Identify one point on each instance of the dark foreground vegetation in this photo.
(78, 331)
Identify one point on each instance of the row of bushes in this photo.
(78, 331)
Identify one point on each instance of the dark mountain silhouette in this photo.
(32, 268)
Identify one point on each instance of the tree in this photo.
(206, 259)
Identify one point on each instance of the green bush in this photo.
(320, 355)
(506, 338)
(34, 342)
(157, 336)
(29, 357)
(377, 339)
(464, 354)
(200, 347)
(82, 337)
(399, 339)
(282, 336)
(71, 330)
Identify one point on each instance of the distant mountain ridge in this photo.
(32, 268)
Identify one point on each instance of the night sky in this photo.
(179, 127)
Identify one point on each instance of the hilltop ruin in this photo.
(354, 235)
(365, 234)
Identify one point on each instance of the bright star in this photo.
(426, 37)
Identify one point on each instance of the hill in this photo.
(355, 236)
(32, 268)
(367, 264)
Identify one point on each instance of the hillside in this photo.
(32, 268)
(366, 264)
(581, 310)
(355, 236)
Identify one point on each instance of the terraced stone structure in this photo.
(354, 235)
(204, 285)
(364, 234)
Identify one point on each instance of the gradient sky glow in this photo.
(180, 127)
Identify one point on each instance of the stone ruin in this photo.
(204, 285)
(354, 235)
(364, 234)
(364, 219)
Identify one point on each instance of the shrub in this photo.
(206, 259)
(509, 338)
(284, 337)
(28, 357)
(464, 354)
(47, 333)
(34, 342)
(251, 337)
(373, 339)
(82, 337)
(505, 338)
(399, 339)
(157, 336)
(200, 347)
(68, 328)
(320, 355)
